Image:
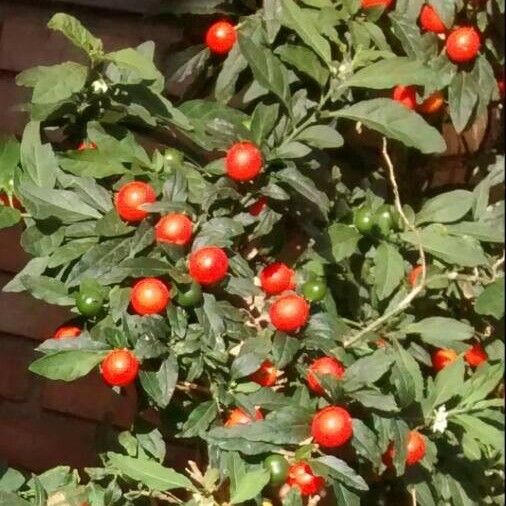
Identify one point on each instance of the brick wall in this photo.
(42, 423)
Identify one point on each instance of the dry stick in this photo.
(413, 496)
(404, 303)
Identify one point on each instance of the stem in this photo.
(188, 387)
(404, 303)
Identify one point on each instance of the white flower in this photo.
(99, 86)
(440, 419)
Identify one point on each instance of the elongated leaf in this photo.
(389, 270)
(445, 208)
(344, 240)
(250, 485)
(339, 470)
(491, 300)
(440, 331)
(160, 385)
(448, 384)
(66, 365)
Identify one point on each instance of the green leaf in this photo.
(396, 122)
(336, 469)
(365, 442)
(463, 95)
(386, 74)
(136, 268)
(10, 480)
(200, 419)
(321, 136)
(481, 383)
(367, 370)
(71, 251)
(263, 120)
(304, 60)
(344, 496)
(284, 349)
(160, 385)
(440, 331)
(232, 67)
(448, 384)
(250, 485)
(10, 499)
(9, 160)
(8, 216)
(371, 398)
(388, 271)
(151, 474)
(66, 365)
(445, 208)
(484, 433)
(484, 232)
(491, 301)
(76, 33)
(298, 19)
(462, 251)
(344, 240)
(48, 289)
(267, 69)
(406, 377)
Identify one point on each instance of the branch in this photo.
(404, 303)
(188, 387)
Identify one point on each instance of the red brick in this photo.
(90, 398)
(15, 357)
(23, 315)
(12, 256)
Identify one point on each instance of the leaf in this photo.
(445, 208)
(334, 468)
(160, 385)
(481, 383)
(297, 19)
(66, 365)
(321, 136)
(9, 160)
(10, 480)
(134, 60)
(38, 160)
(232, 67)
(263, 120)
(48, 289)
(484, 232)
(76, 33)
(483, 432)
(199, 420)
(150, 473)
(406, 377)
(284, 349)
(8, 216)
(367, 370)
(462, 98)
(306, 187)
(490, 302)
(389, 270)
(365, 442)
(440, 331)
(447, 384)
(304, 60)
(396, 122)
(465, 252)
(10, 499)
(386, 74)
(136, 268)
(267, 69)
(374, 399)
(35, 267)
(344, 240)
(250, 485)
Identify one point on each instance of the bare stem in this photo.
(188, 387)
(406, 301)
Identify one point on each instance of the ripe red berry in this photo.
(86, 145)
(63, 332)
(149, 296)
(432, 104)
(367, 4)
(301, 475)
(406, 95)
(430, 20)
(120, 368)
(244, 161)
(130, 197)
(463, 44)
(413, 275)
(257, 207)
(332, 427)
(175, 228)
(289, 313)
(208, 265)
(415, 450)
(475, 355)
(221, 37)
(266, 375)
(276, 278)
(323, 366)
(443, 357)
(238, 417)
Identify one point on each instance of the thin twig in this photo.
(188, 387)
(404, 303)
(413, 496)
(496, 266)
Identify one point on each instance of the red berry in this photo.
(415, 450)
(432, 104)
(289, 313)
(443, 357)
(476, 355)
(406, 95)
(4, 200)
(276, 278)
(301, 475)
(208, 265)
(323, 366)
(463, 44)
(430, 20)
(221, 37)
(413, 275)
(238, 417)
(244, 161)
(149, 296)
(130, 197)
(86, 145)
(120, 368)
(332, 427)
(257, 207)
(63, 332)
(266, 375)
(367, 4)
(175, 228)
